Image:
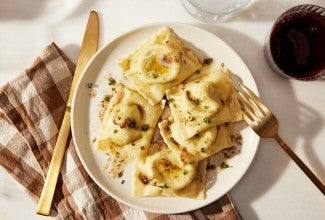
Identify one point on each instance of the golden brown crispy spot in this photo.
(189, 96)
(187, 157)
(143, 178)
(174, 141)
(141, 110)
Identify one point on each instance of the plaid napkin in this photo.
(32, 108)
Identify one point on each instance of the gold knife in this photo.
(87, 50)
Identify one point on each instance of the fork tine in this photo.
(254, 98)
(249, 105)
(248, 114)
(248, 108)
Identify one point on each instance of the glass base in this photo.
(210, 16)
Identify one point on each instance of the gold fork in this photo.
(266, 125)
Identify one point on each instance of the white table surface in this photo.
(273, 187)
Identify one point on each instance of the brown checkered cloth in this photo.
(32, 108)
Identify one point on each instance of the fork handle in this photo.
(301, 164)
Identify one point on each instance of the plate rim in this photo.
(73, 109)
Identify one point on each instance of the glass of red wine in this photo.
(295, 47)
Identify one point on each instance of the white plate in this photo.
(85, 122)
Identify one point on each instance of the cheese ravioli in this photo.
(128, 124)
(204, 102)
(199, 147)
(159, 63)
(162, 175)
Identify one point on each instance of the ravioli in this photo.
(162, 175)
(161, 62)
(199, 147)
(128, 124)
(204, 102)
(195, 128)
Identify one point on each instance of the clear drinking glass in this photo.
(214, 10)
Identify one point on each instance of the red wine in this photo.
(297, 43)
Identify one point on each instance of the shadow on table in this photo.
(72, 51)
(20, 9)
(297, 122)
(45, 9)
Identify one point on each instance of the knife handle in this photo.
(45, 202)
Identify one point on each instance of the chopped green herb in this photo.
(222, 64)
(202, 150)
(145, 127)
(164, 186)
(90, 85)
(185, 172)
(207, 61)
(94, 140)
(115, 131)
(167, 42)
(175, 106)
(155, 75)
(123, 181)
(205, 107)
(196, 101)
(207, 120)
(111, 81)
(224, 165)
(113, 89)
(106, 98)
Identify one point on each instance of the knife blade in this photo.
(88, 49)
